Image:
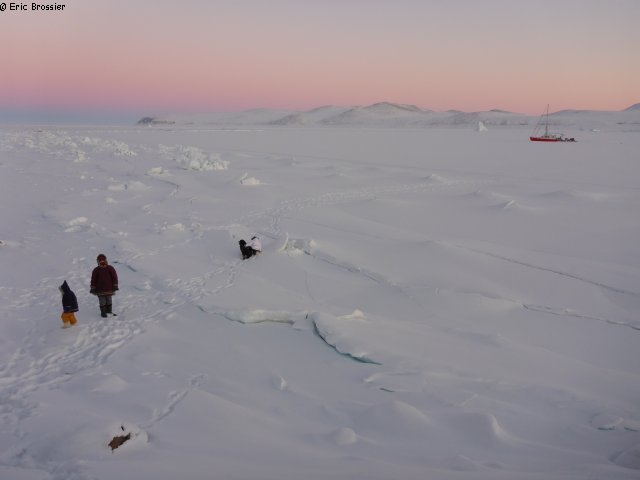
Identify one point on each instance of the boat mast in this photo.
(546, 123)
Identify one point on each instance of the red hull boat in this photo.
(546, 136)
(545, 139)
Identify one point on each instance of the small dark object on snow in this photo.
(250, 249)
(117, 441)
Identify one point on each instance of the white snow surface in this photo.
(429, 303)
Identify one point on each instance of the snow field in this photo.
(431, 303)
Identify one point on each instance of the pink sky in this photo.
(156, 56)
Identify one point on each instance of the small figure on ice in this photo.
(104, 284)
(250, 249)
(69, 305)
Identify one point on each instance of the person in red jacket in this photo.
(104, 284)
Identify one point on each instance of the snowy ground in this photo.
(439, 304)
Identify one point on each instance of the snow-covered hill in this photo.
(313, 117)
(392, 115)
(247, 117)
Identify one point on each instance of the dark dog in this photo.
(247, 252)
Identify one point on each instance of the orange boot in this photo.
(68, 319)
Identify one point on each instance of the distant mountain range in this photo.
(396, 115)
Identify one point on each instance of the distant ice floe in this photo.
(157, 172)
(115, 147)
(176, 227)
(249, 181)
(76, 224)
(78, 221)
(61, 143)
(194, 158)
(294, 247)
(119, 149)
(58, 143)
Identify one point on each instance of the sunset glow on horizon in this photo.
(198, 56)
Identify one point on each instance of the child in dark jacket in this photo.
(69, 305)
(104, 284)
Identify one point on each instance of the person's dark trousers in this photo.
(105, 304)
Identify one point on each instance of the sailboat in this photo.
(546, 136)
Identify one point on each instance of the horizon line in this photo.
(35, 116)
